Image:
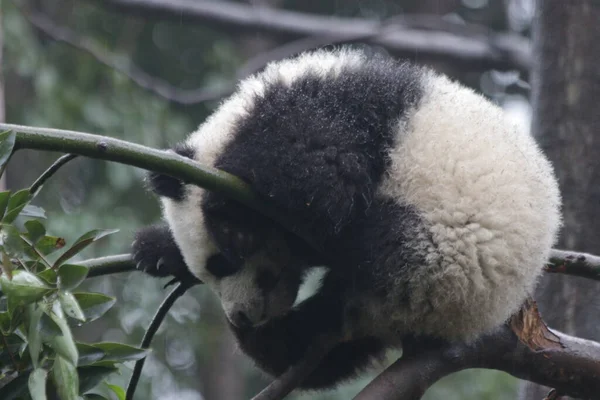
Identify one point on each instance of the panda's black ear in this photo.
(168, 186)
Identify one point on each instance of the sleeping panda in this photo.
(432, 212)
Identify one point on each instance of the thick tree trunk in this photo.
(565, 95)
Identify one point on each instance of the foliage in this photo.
(40, 304)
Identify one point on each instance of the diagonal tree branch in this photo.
(573, 370)
(472, 46)
(124, 65)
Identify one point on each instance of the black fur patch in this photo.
(282, 342)
(165, 185)
(156, 253)
(220, 267)
(317, 149)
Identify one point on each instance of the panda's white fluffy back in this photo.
(489, 199)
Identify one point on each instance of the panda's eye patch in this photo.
(266, 280)
(220, 267)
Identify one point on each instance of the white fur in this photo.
(490, 203)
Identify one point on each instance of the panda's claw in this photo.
(160, 263)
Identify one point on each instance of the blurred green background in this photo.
(49, 83)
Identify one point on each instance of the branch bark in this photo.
(573, 263)
(573, 370)
(464, 45)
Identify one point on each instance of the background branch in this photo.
(123, 65)
(485, 49)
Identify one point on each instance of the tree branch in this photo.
(572, 263)
(108, 265)
(124, 65)
(573, 370)
(160, 315)
(39, 182)
(164, 162)
(487, 50)
(291, 378)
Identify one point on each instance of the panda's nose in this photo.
(240, 319)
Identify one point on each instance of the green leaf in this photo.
(49, 276)
(94, 305)
(4, 196)
(7, 144)
(35, 230)
(32, 211)
(70, 306)
(66, 379)
(11, 240)
(71, 275)
(16, 203)
(63, 344)
(15, 389)
(24, 288)
(34, 337)
(6, 266)
(118, 390)
(85, 240)
(88, 354)
(48, 327)
(16, 316)
(37, 384)
(5, 322)
(94, 396)
(120, 352)
(91, 376)
(47, 245)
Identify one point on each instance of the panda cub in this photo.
(434, 214)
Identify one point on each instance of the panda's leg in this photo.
(283, 342)
(155, 252)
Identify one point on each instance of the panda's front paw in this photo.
(155, 252)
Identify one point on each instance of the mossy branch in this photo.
(161, 161)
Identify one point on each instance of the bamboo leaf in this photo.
(85, 240)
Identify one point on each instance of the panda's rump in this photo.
(489, 201)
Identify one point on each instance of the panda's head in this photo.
(257, 268)
(252, 264)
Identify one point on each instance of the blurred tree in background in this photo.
(52, 83)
